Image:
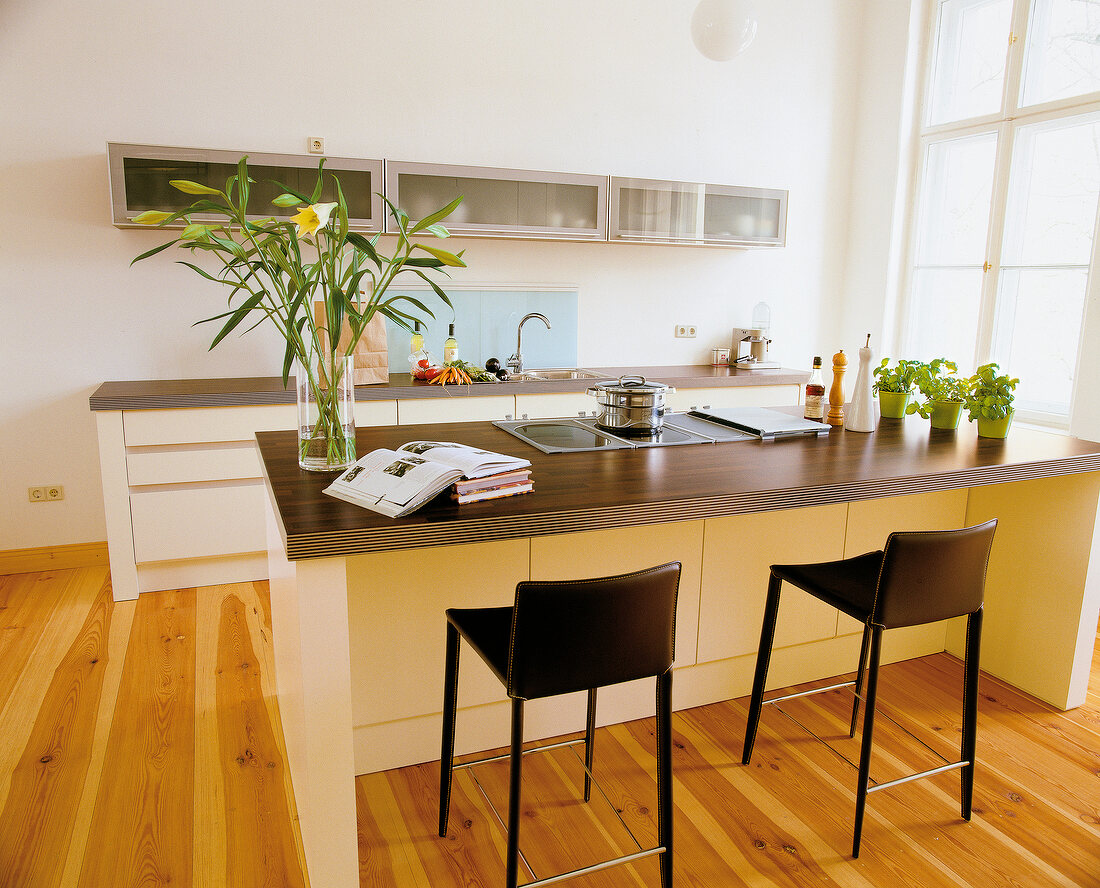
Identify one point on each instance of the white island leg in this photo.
(309, 617)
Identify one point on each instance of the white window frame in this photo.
(1005, 124)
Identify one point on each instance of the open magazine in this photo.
(397, 482)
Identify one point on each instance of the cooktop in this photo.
(572, 435)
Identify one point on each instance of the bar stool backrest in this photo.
(581, 634)
(932, 575)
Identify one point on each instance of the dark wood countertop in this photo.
(597, 490)
(151, 394)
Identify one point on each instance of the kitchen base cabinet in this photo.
(183, 492)
(734, 396)
(739, 552)
(447, 408)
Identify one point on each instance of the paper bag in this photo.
(371, 355)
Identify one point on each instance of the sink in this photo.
(556, 373)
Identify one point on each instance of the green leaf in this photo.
(437, 216)
(361, 243)
(188, 187)
(438, 291)
(201, 271)
(153, 251)
(438, 231)
(242, 183)
(239, 315)
(320, 182)
(287, 200)
(231, 245)
(443, 256)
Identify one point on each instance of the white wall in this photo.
(566, 85)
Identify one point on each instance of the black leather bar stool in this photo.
(567, 636)
(920, 577)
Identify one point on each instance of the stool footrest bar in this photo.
(843, 684)
(929, 773)
(503, 756)
(615, 861)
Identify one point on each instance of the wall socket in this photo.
(45, 494)
(316, 145)
(685, 331)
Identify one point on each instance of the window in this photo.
(1007, 193)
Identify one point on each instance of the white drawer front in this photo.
(195, 425)
(734, 396)
(542, 406)
(454, 409)
(196, 522)
(192, 462)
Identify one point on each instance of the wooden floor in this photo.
(140, 745)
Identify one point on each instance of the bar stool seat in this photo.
(919, 577)
(557, 638)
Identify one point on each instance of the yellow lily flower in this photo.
(310, 218)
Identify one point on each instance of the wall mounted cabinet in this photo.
(140, 176)
(498, 203)
(502, 203)
(658, 211)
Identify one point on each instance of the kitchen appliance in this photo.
(630, 405)
(568, 435)
(709, 426)
(749, 349)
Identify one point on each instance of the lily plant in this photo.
(277, 268)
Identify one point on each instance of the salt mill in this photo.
(835, 416)
(861, 413)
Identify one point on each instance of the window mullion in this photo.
(1015, 62)
(987, 314)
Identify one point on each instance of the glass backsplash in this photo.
(485, 327)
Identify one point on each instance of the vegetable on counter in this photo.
(461, 372)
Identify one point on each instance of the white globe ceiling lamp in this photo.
(722, 29)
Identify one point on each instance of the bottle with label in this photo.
(416, 344)
(815, 394)
(450, 347)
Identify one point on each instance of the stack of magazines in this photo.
(397, 482)
(492, 486)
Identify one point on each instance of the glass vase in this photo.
(326, 412)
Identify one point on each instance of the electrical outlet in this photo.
(36, 494)
(316, 145)
(685, 331)
(55, 492)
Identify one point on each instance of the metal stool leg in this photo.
(664, 775)
(447, 747)
(589, 743)
(859, 677)
(763, 658)
(970, 708)
(515, 771)
(868, 731)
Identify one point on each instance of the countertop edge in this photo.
(159, 394)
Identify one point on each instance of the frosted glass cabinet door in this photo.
(656, 211)
(140, 176)
(502, 203)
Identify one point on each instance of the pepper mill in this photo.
(861, 413)
(836, 393)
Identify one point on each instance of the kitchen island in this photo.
(358, 599)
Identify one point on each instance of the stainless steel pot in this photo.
(630, 406)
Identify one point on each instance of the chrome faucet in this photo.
(515, 363)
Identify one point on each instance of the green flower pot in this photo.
(995, 428)
(891, 405)
(945, 414)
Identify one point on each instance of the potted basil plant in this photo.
(944, 393)
(989, 401)
(893, 386)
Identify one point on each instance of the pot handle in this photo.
(631, 380)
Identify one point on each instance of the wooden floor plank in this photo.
(46, 612)
(260, 843)
(37, 820)
(142, 825)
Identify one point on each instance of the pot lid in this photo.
(630, 385)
